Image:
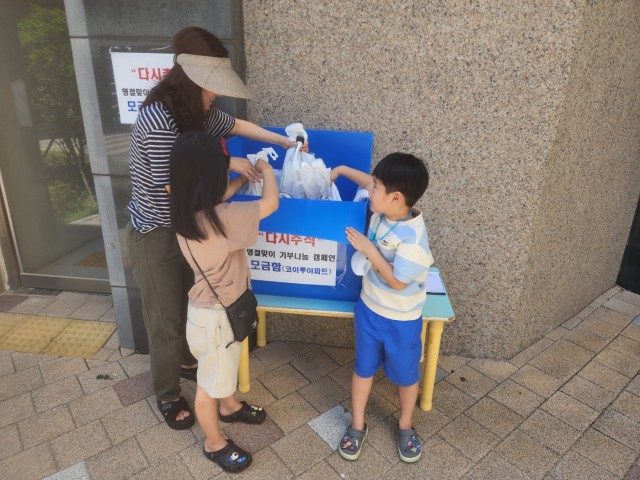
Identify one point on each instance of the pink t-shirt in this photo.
(223, 260)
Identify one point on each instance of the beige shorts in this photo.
(208, 334)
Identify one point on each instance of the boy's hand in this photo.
(335, 173)
(360, 242)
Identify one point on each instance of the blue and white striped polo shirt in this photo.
(406, 247)
(152, 139)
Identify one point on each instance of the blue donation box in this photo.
(302, 250)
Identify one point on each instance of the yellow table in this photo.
(436, 312)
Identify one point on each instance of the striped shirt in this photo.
(152, 139)
(406, 247)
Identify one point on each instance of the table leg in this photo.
(262, 329)
(431, 364)
(243, 370)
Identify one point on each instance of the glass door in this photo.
(47, 183)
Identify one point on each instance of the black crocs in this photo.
(247, 414)
(230, 458)
(170, 411)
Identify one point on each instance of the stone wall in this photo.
(526, 112)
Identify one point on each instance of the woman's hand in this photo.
(360, 242)
(286, 144)
(244, 167)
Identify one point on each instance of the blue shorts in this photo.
(396, 344)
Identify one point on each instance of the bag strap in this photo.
(201, 272)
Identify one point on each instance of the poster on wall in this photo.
(282, 257)
(135, 74)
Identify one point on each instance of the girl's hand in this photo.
(262, 165)
(360, 242)
(244, 167)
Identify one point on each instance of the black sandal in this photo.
(230, 458)
(170, 411)
(247, 414)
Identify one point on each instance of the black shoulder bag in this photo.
(242, 313)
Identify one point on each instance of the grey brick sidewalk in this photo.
(567, 407)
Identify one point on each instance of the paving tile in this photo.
(494, 416)
(324, 394)
(301, 347)
(370, 465)
(493, 467)
(266, 465)
(536, 380)
(45, 426)
(60, 307)
(633, 386)
(58, 393)
(331, 425)
(19, 382)
(291, 411)
(342, 376)
(94, 406)
(605, 377)
(584, 337)
(339, 355)
(32, 305)
(620, 428)
(516, 397)
(75, 472)
(528, 455)
(77, 296)
(378, 408)
(625, 364)
(628, 297)
(9, 441)
(471, 382)
(6, 365)
(562, 359)
(588, 393)
(494, 369)
(275, 354)
(632, 332)
(451, 363)
(80, 444)
(91, 310)
(109, 316)
(129, 421)
(604, 323)
(633, 473)
(570, 411)
(256, 367)
(585, 312)
(389, 391)
(61, 368)
(319, 471)
(617, 319)
(451, 401)
(440, 461)
(628, 405)
(161, 441)
(618, 305)
(553, 434)
(254, 437)
(169, 468)
(573, 322)
(573, 466)
(135, 364)
(556, 333)
(257, 395)
(530, 352)
(134, 389)
(8, 301)
(626, 345)
(31, 464)
(25, 360)
(605, 451)
(121, 461)
(314, 364)
(469, 437)
(283, 380)
(16, 408)
(101, 375)
(299, 459)
(382, 438)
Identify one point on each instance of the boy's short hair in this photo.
(404, 173)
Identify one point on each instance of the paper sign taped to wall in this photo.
(135, 74)
(287, 258)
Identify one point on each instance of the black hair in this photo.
(176, 90)
(404, 173)
(198, 176)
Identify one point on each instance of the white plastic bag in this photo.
(255, 188)
(290, 182)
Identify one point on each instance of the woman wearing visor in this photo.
(181, 102)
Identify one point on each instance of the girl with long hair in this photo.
(213, 236)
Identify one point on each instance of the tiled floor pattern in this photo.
(567, 407)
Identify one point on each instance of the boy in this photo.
(388, 315)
